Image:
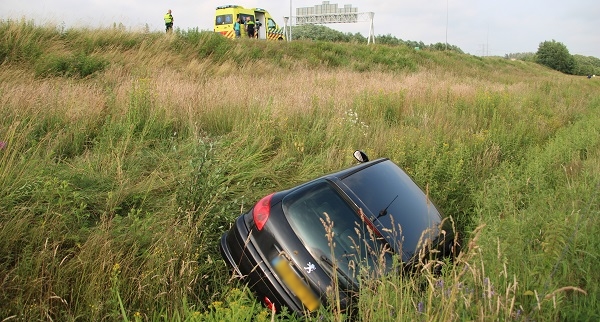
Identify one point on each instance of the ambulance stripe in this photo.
(272, 34)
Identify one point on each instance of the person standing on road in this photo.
(168, 21)
(249, 27)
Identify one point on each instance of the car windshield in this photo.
(398, 204)
(334, 232)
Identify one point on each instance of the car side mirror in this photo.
(361, 156)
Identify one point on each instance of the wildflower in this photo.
(420, 307)
(518, 314)
(2, 145)
(490, 288)
(262, 316)
(439, 283)
(447, 292)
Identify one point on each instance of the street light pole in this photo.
(290, 20)
(447, 9)
(286, 27)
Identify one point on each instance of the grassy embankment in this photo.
(125, 156)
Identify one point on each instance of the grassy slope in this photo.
(127, 155)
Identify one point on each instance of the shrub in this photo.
(78, 66)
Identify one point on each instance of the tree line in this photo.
(555, 55)
(552, 54)
(323, 33)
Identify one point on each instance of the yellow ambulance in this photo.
(226, 15)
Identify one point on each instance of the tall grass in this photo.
(117, 184)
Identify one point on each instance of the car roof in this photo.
(352, 170)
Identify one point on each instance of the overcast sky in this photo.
(478, 27)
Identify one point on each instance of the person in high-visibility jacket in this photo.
(169, 21)
(249, 27)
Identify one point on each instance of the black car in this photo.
(296, 247)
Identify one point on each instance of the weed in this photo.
(117, 151)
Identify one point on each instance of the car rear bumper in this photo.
(240, 253)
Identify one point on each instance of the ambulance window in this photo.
(244, 16)
(271, 23)
(224, 19)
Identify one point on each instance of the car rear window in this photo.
(328, 226)
(408, 211)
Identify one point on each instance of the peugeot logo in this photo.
(310, 267)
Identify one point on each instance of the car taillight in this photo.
(261, 211)
(269, 304)
(369, 223)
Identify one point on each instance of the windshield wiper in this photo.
(330, 263)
